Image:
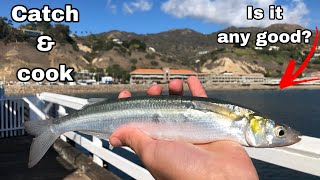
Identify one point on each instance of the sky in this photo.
(153, 16)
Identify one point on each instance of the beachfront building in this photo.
(161, 76)
(204, 77)
(229, 78)
(315, 74)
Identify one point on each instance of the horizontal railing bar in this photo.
(10, 99)
(303, 156)
(67, 101)
(11, 129)
(119, 162)
(34, 108)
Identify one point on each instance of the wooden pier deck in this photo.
(71, 165)
(14, 155)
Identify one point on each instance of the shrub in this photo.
(137, 44)
(133, 61)
(150, 56)
(118, 72)
(154, 63)
(133, 67)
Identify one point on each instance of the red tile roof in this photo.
(147, 71)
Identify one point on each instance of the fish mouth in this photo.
(297, 137)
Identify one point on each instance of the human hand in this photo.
(181, 160)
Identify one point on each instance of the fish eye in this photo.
(280, 131)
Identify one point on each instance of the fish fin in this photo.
(36, 128)
(42, 142)
(98, 135)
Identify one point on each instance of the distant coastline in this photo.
(14, 90)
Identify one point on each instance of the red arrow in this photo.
(289, 77)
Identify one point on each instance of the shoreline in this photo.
(20, 90)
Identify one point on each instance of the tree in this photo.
(44, 26)
(137, 44)
(8, 32)
(118, 72)
(5, 27)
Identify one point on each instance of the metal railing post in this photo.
(97, 142)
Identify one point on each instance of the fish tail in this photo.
(44, 138)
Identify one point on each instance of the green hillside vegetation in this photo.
(8, 33)
(98, 43)
(59, 32)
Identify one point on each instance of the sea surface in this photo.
(298, 108)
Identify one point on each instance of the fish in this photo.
(194, 120)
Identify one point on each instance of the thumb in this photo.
(132, 137)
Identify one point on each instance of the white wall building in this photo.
(151, 49)
(118, 41)
(274, 48)
(203, 52)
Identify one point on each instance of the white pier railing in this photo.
(12, 114)
(303, 156)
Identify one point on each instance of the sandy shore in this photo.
(33, 89)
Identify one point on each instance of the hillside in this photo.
(177, 48)
(96, 54)
(22, 54)
(185, 45)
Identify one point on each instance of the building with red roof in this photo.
(140, 76)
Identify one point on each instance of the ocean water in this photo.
(298, 108)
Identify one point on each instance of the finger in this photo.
(124, 94)
(221, 146)
(195, 87)
(154, 90)
(176, 87)
(132, 137)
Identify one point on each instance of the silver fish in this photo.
(177, 118)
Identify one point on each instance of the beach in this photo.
(17, 90)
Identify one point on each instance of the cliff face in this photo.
(227, 65)
(17, 55)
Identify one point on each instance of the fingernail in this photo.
(124, 94)
(115, 142)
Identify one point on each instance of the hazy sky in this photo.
(152, 16)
